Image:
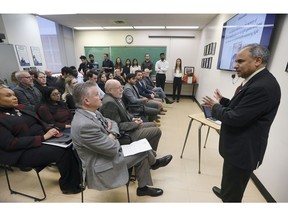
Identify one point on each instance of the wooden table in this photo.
(199, 117)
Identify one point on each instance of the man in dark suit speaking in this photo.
(246, 121)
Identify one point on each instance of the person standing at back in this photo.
(93, 62)
(246, 121)
(107, 64)
(177, 80)
(84, 66)
(161, 67)
(126, 68)
(147, 65)
(118, 65)
(135, 66)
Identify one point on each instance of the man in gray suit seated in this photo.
(95, 139)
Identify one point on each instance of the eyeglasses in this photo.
(56, 94)
(27, 77)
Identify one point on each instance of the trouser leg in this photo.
(142, 168)
(65, 161)
(234, 182)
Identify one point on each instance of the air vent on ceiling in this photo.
(119, 22)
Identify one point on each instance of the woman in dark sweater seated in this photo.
(22, 134)
(54, 111)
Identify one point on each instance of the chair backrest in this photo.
(135, 109)
(82, 179)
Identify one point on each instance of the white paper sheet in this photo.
(136, 147)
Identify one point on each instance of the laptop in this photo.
(208, 115)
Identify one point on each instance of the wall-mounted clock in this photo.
(129, 39)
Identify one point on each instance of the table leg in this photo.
(207, 136)
(188, 130)
(199, 146)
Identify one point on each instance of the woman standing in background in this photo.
(126, 68)
(118, 65)
(135, 66)
(177, 81)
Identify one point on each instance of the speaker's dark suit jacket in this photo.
(246, 120)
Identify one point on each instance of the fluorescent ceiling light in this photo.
(88, 28)
(117, 27)
(149, 27)
(182, 27)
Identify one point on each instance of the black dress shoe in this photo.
(162, 162)
(73, 191)
(148, 191)
(168, 101)
(217, 191)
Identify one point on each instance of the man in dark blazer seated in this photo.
(95, 139)
(246, 121)
(133, 97)
(113, 108)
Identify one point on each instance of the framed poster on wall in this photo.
(22, 55)
(36, 56)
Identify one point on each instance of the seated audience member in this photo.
(92, 77)
(144, 92)
(40, 82)
(119, 77)
(95, 139)
(101, 81)
(26, 93)
(109, 75)
(54, 111)
(51, 80)
(133, 97)
(148, 83)
(65, 72)
(77, 74)
(21, 135)
(114, 109)
(67, 96)
(14, 81)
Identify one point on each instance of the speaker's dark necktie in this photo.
(238, 89)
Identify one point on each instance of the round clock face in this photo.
(129, 39)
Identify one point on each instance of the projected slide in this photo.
(241, 30)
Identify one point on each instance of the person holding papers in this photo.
(95, 139)
(22, 134)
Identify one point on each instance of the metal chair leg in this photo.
(23, 194)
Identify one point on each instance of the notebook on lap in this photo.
(208, 115)
(63, 141)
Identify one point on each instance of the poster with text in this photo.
(22, 55)
(36, 56)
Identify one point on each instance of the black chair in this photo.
(131, 178)
(9, 168)
(137, 110)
